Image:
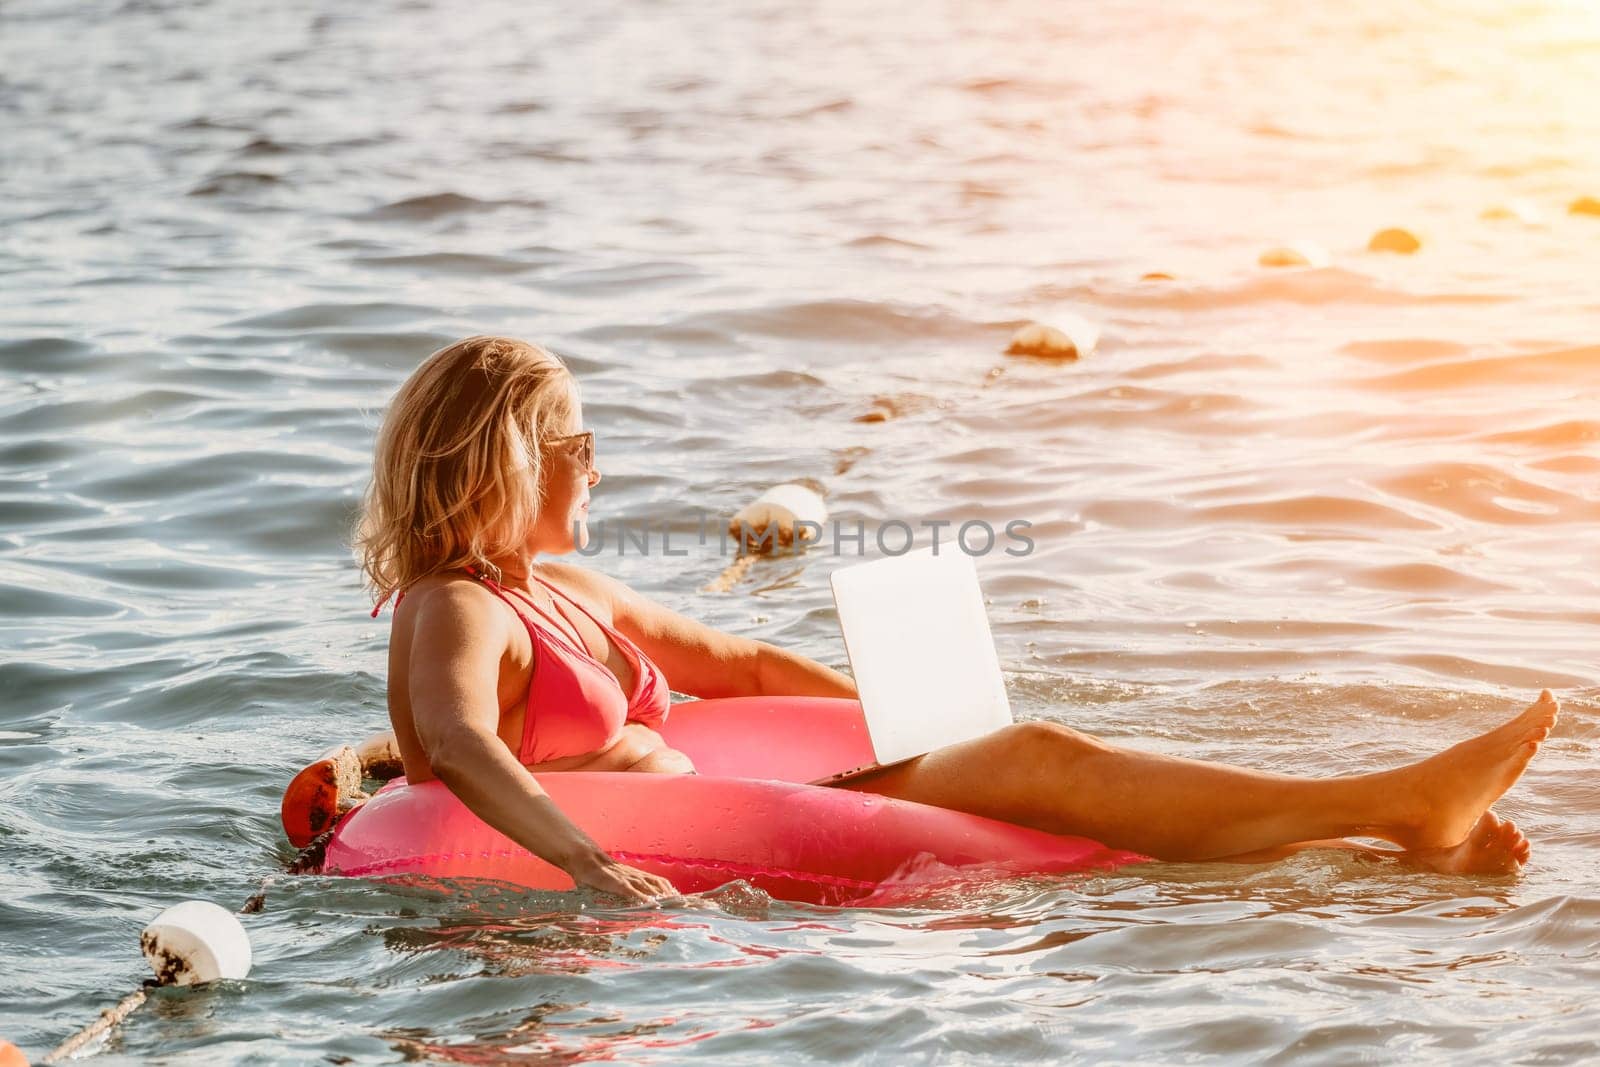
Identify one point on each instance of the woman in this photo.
(501, 663)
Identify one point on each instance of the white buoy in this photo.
(196, 942)
(781, 517)
(188, 944)
(1067, 337)
(1519, 209)
(781, 520)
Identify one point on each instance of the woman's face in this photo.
(562, 524)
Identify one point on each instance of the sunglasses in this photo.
(585, 450)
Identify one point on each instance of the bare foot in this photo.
(1495, 846)
(1452, 791)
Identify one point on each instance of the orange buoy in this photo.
(11, 1055)
(1303, 254)
(1394, 239)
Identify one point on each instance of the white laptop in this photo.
(924, 661)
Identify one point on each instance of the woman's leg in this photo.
(1495, 846)
(1053, 778)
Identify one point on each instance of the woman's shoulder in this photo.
(450, 595)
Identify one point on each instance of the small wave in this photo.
(858, 321)
(1423, 578)
(547, 151)
(883, 240)
(836, 106)
(279, 522)
(1134, 515)
(314, 316)
(466, 264)
(1479, 670)
(236, 183)
(1408, 350)
(441, 205)
(45, 516)
(1210, 363)
(1583, 465)
(608, 281)
(975, 192)
(266, 146)
(1489, 494)
(1277, 131)
(777, 380)
(204, 123)
(31, 602)
(50, 355)
(1568, 367)
(179, 693)
(1134, 406)
(1539, 164)
(201, 474)
(1322, 285)
(53, 414)
(1566, 434)
(988, 86)
(1320, 511)
(38, 454)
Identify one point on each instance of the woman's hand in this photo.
(599, 871)
(457, 643)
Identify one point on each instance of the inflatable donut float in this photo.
(747, 815)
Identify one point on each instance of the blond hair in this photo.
(456, 475)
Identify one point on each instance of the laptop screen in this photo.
(917, 634)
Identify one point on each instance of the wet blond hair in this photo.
(457, 472)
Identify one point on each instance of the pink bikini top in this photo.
(575, 704)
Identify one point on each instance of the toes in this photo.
(1547, 707)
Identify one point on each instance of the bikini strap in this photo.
(401, 595)
(573, 601)
(505, 594)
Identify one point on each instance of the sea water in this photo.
(1317, 520)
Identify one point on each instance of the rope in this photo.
(731, 575)
(108, 1018)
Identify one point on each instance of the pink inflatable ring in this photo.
(747, 815)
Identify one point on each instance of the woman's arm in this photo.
(700, 660)
(452, 685)
(780, 672)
